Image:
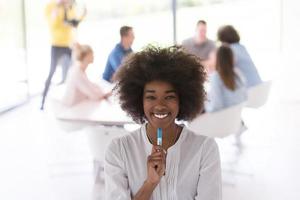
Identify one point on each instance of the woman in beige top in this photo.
(78, 87)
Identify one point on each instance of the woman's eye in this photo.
(150, 97)
(170, 97)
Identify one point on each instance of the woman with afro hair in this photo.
(158, 87)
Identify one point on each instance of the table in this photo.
(107, 113)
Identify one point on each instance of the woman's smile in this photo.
(161, 115)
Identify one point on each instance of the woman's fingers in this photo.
(155, 160)
(161, 170)
(156, 148)
(157, 154)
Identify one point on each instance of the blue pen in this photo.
(159, 140)
(159, 137)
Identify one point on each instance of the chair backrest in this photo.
(218, 124)
(258, 95)
(99, 138)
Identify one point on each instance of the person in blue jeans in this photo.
(62, 20)
(122, 49)
(243, 62)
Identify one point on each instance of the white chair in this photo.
(99, 137)
(258, 95)
(68, 126)
(218, 124)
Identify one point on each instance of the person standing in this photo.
(62, 21)
(122, 49)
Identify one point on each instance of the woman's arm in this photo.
(116, 180)
(155, 168)
(145, 192)
(54, 15)
(89, 89)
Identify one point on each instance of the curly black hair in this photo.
(172, 65)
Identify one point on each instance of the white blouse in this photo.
(79, 88)
(193, 169)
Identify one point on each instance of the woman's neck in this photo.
(83, 66)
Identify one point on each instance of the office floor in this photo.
(41, 161)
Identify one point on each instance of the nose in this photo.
(160, 106)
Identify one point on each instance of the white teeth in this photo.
(161, 116)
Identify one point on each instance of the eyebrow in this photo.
(150, 91)
(153, 91)
(170, 91)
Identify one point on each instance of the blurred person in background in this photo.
(199, 44)
(121, 50)
(78, 87)
(242, 60)
(227, 84)
(62, 20)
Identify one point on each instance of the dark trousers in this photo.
(58, 54)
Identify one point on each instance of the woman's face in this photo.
(161, 104)
(90, 57)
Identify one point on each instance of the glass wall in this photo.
(266, 28)
(151, 20)
(13, 70)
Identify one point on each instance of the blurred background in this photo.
(41, 161)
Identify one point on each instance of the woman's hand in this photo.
(156, 165)
(107, 95)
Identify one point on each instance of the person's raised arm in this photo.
(155, 170)
(53, 15)
(116, 180)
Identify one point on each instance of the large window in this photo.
(266, 27)
(13, 70)
(151, 20)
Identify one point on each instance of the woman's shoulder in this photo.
(128, 138)
(215, 79)
(238, 49)
(214, 76)
(198, 139)
(197, 144)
